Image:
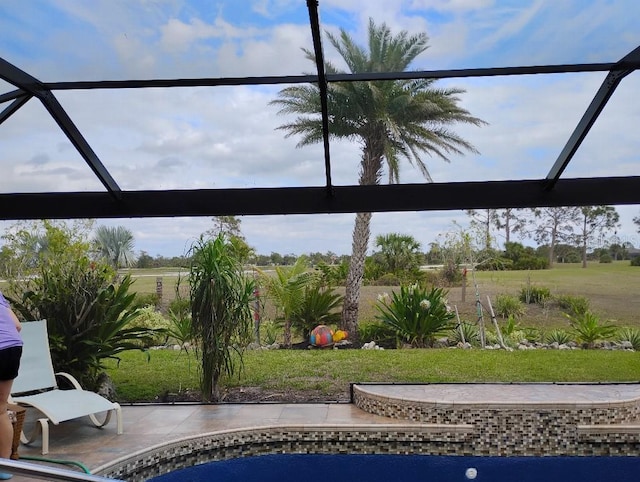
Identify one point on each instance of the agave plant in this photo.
(415, 314)
(561, 337)
(631, 335)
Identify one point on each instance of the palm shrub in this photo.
(320, 306)
(415, 314)
(287, 291)
(220, 295)
(587, 328)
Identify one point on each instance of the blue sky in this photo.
(227, 137)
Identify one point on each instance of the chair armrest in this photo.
(71, 379)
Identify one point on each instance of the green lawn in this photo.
(331, 371)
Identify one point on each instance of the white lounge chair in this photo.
(36, 374)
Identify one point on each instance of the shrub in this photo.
(574, 305)
(383, 334)
(387, 279)
(150, 319)
(451, 274)
(606, 258)
(632, 335)
(535, 295)
(588, 329)
(635, 261)
(509, 306)
(415, 314)
(270, 331)
(146, 299)
(510, 326)
(561, 337)
(531, 263)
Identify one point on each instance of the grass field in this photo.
(613, 290)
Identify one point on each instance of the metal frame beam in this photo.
(14, 106)
(33, 86)
(314, 18)
(619, 71)
(315, 200)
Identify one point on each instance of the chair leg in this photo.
(42, 425)
(118, 411)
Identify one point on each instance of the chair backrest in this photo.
(36, 369)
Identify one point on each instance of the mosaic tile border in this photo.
(295, 439)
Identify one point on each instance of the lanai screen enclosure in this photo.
(112, 201)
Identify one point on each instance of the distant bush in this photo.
(574, 305)
(606, 258)
(146, 299)
(635, 261)
(508, 305)
(387, 279)
(535, 295)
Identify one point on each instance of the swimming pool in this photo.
(409, 468)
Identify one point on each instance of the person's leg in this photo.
(6, 428)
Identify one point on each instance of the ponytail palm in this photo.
(392, 120)
(220, 310)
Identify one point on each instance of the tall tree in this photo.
(554, 226)
(392, 120)
(594, 220)
(482, 221)
(115, 245)
(229, 225)
(511, 220)
(636, 220)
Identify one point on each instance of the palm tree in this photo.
(393, 120)
(115, 244)
(287, 289)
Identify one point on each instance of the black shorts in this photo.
(10, 362)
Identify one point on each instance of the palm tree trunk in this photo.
(355, 275)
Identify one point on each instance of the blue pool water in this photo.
(410, 468)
